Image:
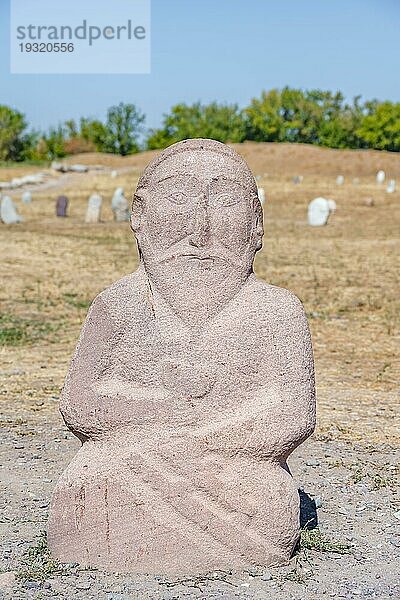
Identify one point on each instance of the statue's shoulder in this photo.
(128, 285)
(277, 300)
(124, 297)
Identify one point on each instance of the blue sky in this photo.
(229, 51)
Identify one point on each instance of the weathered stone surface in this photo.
(319, 210)
(191, 384)
(391, 186)
(78, 168)
(57, 166)
(380, 176)
(116, 196)
(61, 206)
(94, 209)
(63, 168)
(120, 206)
(26, 197)
(8, 212)
(332, 205)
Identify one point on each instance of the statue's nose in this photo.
(201, 229)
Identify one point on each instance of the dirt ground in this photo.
(346, 274)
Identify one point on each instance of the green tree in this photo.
(12, 139)
(300, 116)
(71, 129)
(338, 128)
(265, 119)
(54, 142)
(309, 117)
(305, 113)
(380, 127)
(93, 130)
(221, 122)
(122, 129)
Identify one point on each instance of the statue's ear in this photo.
(137, 210)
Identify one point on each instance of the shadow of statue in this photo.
(308, 511)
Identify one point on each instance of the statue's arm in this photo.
(273, 421)
(97, 397)
(288, 401)
(81, 407)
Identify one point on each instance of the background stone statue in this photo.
(120, 206)
(191, 384)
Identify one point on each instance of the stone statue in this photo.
(120, 206)
(93, 212)
(319, 211)
(191, 384)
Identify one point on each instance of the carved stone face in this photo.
(198, 209)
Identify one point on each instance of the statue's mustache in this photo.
(214, 251)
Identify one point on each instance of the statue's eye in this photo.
(177, 197)
(226, 199)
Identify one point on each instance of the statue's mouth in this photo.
(198, 256)
(204, 262)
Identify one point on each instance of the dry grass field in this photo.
(347, 276)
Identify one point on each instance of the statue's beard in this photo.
(197, 282)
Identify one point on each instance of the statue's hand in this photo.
(268, 425)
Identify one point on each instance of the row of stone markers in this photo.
(119, 205)
(319, 209)
(380, 179)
